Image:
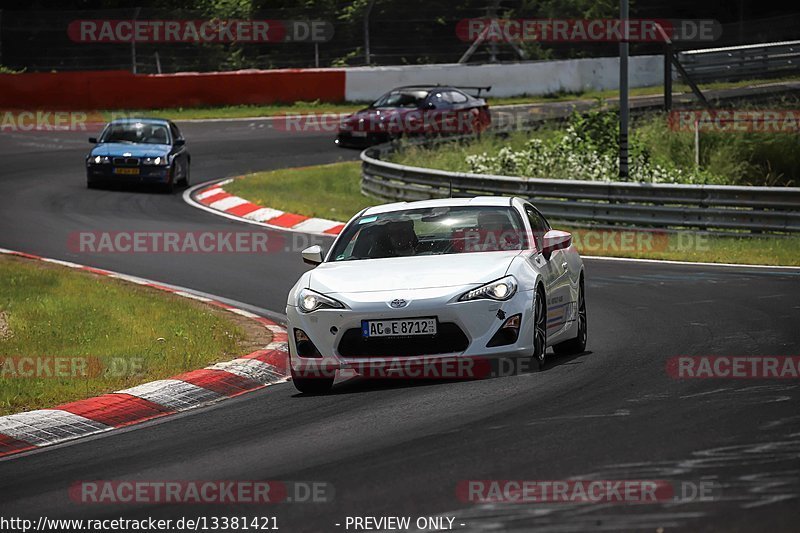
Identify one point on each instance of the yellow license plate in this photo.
(129, 171)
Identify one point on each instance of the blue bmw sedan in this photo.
(139, 151)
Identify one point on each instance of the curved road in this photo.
(402, 448)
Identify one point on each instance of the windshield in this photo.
(408, 99)
(136, 132)
(433, 231)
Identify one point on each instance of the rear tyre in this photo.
(539, 331)
(578, 344)
(318, 385)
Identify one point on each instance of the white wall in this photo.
(508, 79)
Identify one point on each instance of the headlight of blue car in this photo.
(160, 160)
(99, 159)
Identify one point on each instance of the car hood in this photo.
(135, 150)
(409, 273)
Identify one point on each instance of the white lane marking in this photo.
(244, 313)
(48, 426)
(174, 394)
(228, 203)
(706, 393)
(263, 214)
(274, 328)
(193, 296)
(252, 369)
(314, 225)
(618, 412)
(132, 279)
(277, 346)
(209, 192)
(62, 263)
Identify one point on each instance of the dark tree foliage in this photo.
(33, 32)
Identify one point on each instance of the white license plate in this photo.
(359, 134)
(398, 328)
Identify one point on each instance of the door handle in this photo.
(564, 265)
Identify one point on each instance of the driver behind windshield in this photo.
(402, 238)
(137, 133)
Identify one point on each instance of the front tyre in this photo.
(540, 330)
(185, 179)
(169, 187)
(316, 385)
(578, 344)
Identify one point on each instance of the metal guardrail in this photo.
(705, 207)
(742, 62)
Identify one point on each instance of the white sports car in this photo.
(443, 279)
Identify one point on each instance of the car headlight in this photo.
(100, 159)
(160, 160)
(500, 290)
(308, 301)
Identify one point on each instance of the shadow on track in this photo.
(359, 384)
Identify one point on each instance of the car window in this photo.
(439, 99)
(433, 231)
(136, 132)
(404, 98)
(539, 225)
(457, 97)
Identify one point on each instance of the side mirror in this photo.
(312, 255)
(555, 240)
(180, 142)
(93, 140)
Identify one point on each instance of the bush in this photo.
(586, 149)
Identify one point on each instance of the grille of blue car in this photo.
(126, 161)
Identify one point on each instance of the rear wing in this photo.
(478, 89)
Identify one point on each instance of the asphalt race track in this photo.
(402, 448)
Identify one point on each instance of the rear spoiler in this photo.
(479, 89)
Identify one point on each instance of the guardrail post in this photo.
(667, 77)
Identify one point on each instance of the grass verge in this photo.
(333, 191)
(326, 191)
(67, 335)
(302, 108)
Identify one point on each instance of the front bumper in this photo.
(147, 174)
(349, 140)
(331, 330)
